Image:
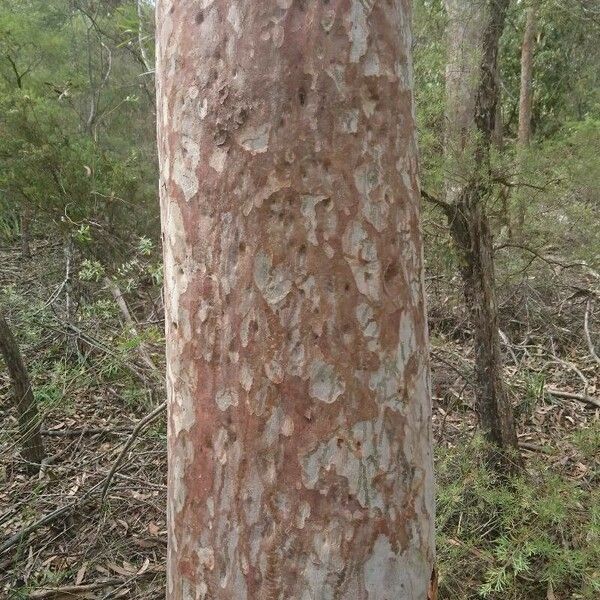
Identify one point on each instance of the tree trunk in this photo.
(463, 64)
(32, 448)
(525, 105)
(526, 94)
(469, 224)
(470, 231)
(299, 411)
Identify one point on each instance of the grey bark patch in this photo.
(273, 283)
(325, 385)
(226, 398)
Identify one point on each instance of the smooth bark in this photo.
(525, 104)
(526, 91)
(32, 448)
(299, 408)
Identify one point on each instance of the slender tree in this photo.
(526, 92)
(474, 31)
(525, 102)
(299, 407)
(32, 448)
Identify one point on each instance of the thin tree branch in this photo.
(445, 206)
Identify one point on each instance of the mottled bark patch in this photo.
(299, 442)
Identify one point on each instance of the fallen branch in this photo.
(18, 537)
(533, 447)
(142, 424)
(88, 496)
(571, 396)
(73, 589)
(85, 431)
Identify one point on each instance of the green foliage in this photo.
(78, 146)
(514, 539)
(429, 64)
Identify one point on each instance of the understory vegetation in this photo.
(81, 281)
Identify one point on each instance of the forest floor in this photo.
(90, 385)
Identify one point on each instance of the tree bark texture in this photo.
(526, 93)
(32, 448)
(300, 459)
(525, 105)
(467, 196)
(464, 38)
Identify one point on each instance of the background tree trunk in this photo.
(471, 109)
(32, 448)
(526, 93)
(525, 104)
(299, 410)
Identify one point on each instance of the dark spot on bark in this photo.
(390, 272)
(199, 17)
(241, 116)
(367, 276)
(302, 96)
(340, 442)
(327, 203)
(346, 287)
(242, 247)
(212, 76)
(174, 324)
(180, 270)
(253, 326)
(358, 445)
(220, 137)
(172, 9)
(302, 250)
